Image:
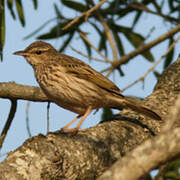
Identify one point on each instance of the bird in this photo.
(74, 85)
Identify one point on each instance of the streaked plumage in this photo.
(74, 85)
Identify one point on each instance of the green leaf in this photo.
(102, 35)
(38, 29)
(20, 12)
(115, 7)
(102, 43)
(55, 32)
(2, 28)
(137, 17)
(135, 39)
(58, 13)
(169, 57)
(106, 115)
(96, 28)
(148, 55)
(120, 71)
(35, 3)
(10, 7)
(75, 5)
(66, 42)
(157, 6)
(118, 42)
(88, 49)
(172, 170)
(157, 74)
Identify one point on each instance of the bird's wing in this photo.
(81, 70)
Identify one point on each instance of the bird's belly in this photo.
(74, 94)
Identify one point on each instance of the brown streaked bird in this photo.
(74, 85)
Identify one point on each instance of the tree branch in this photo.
(11, 90)
(142, 7)
(86, 14)
(152, 153)
(143, 48)
(142, 78)
(149, 155)
(9, 121)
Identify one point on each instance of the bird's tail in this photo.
(141, 109)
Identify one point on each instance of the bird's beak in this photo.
(21, 53)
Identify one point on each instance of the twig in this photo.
(154, 65)
(48, 107)
(27, 119)
(109, 73)
(141, 7)
(86, 39)
(143, 48)
(86, 14)
(109, 37)
(9, 121)
(89, 57)
(94, 8)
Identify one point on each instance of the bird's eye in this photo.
(38, 52)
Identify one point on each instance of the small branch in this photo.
(99, 52)
(89, 57)
(9, 121)
(27, 118)
(109, 37)
(48, 108)
(142, 7)
(109, 73)
(143, 48)
(153, 66)
(86, 14)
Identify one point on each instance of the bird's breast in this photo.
(69, 91)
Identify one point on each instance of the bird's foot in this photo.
(72, 130)
(69, 130)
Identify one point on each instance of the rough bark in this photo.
(88, 154)
(152, 153)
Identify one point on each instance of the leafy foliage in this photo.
(113, 12)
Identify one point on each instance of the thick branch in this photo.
(150, 154)
(11, 90)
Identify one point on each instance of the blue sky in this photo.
(15, 68)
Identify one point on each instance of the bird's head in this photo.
(38, 52)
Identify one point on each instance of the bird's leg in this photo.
(73, 130)
(71, 122)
